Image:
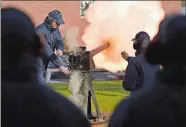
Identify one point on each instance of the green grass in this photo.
(108, 93)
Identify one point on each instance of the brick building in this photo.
(70, 10)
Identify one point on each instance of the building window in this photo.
(84, 5)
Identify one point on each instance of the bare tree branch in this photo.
(85, 5)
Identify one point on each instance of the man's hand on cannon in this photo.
(64, 70)
(59, 52)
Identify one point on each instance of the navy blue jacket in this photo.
(53, 40)
(129, 58)
(53, 36)
(139, 74)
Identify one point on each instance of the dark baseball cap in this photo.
(139, 39)
(170, 41)
(142, 35)
(57, 16)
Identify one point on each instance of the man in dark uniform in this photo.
(134, 74)
(138, 70)
(52, 39)
(25, 102)
(163, 105)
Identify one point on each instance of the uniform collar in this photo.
(50, 28)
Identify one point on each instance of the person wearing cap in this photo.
(53, 43)
(136, 45)
(163, 105)
(25, 102)
(138, 70)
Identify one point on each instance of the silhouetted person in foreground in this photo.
(25, 102)
(139, 73)
(164, 105)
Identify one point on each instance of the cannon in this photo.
(83, 61)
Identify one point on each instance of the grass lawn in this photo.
(108, 93)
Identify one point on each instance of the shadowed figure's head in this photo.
(140, 42)
(18, 39)
(169, 45)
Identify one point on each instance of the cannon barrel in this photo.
(99, 49)
(86, 58)
(89, 54)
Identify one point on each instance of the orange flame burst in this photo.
(117, 22)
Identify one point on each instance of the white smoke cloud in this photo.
(118, 22)
(71, 38)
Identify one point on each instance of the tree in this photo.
(84, 6)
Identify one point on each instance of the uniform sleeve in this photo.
(129, 58)
(131, 76)
(59, 41)
(47, 51)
